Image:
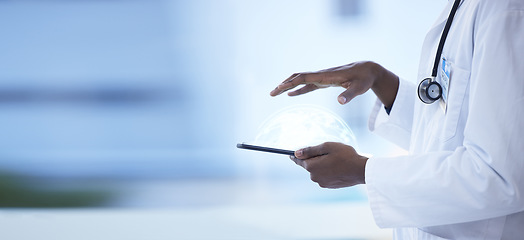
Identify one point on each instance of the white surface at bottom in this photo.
(307, 221)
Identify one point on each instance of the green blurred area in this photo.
(20, 191)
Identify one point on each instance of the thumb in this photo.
(314, 151)
(347, 95)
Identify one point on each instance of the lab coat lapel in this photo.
(429, 48)
(441, 20)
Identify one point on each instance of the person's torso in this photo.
(436, 129)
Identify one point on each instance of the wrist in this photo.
(385, 85)
(364, 161)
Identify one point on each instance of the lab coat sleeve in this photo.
(483, 178)
(395, 127)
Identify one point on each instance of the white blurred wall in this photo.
(167, 88)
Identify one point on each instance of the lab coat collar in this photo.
(441, 20)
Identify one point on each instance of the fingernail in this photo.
(299, 153)
(342, 99)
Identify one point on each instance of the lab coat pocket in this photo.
(456, 110)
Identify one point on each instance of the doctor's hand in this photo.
(332, 165)
(357, 78)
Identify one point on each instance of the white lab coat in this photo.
(464, 176)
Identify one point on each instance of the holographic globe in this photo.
(304, 125)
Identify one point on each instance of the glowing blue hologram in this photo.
(304, 125)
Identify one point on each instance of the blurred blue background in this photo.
(142, 102)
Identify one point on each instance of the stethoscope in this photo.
(429, 90)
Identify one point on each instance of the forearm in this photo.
(467, 186)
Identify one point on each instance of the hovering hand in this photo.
(357, 78)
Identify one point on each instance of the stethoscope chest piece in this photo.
(429, 90)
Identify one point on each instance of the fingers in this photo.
(307, 163)
(303, 90)
(299, 162)
(287, 84)
(311, 79)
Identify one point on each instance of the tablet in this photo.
(265, 149)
